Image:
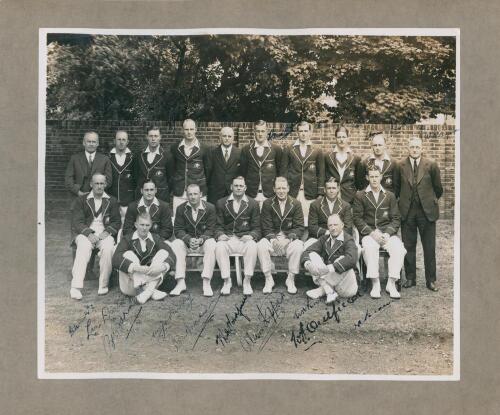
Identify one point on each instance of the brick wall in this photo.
(64, 138)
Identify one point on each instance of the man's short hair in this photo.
(305, 123)
(372, 167)
(259, 123)
(374, 134)
(188, 120)
(341, 128)
(415, 138)
(90, 132)
(239, 178)
(98, 174)
(144, 215)
(332, 180)
(193, 186)
(121, 131)
(226, 128)
(280, 179)
(152, 128)
(149, 181)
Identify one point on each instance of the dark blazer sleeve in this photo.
(119, 262)
(436, 179)
(78, 223)
(130, 216)
(283, 167)
(170, 260)
(346, 214)
(358, 212)
(396, 178)
(115, 222)
(279, 158)
(166, 227)
(393, 226)
(108, 171)
(69, 176)
(244, 162)
(315, 231)
(349, 259)
(297, 223)
(208, 162)
(320, 171)
(219, 214)
(180, 225)
(211, 222)
(255, 222)
(266, 221)
(358, 172)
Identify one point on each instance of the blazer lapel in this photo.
(408, 171)
(324, 207)
(336, 245)
(421, 169)
(153, 210)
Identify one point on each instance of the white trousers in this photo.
(344, 284)
(396, 251)
(131, 284)
(293, 252)
(306, 204)
(82, 258)
(181, 250)
(236, 246)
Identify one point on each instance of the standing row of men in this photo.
(312, 183)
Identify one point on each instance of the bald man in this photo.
(225, 166)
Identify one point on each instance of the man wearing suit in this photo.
(379, 157)
(142, 259)
(260, 163)
(82, 166)
(376, 215)
(331, 261)
(225, 166)
(237, 231)
(122, 163)
(322, 209)
(418, 202)
(192, 164)
(282, 223)
(161, 216)
(95, 221)
(304, 167)
(194, 228)
(342, 164)
(154, 164)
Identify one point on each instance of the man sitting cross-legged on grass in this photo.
(143, 259)
(331, 260)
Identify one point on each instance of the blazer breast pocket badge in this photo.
(388, 181)
(106, 220)
(312, 166)
(351, 173)
(244, 224)
(270, 166)
(159, 173)
(385, 213)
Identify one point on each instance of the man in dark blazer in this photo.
(376, 215)
(154, 164)
(238, 231)
(331, 261)
(161, 216)
(322, 209)
(304, 167)
(380, 157)
(344, 165)
(82, 166)
(192, 164)
(143, 258)
(419, 192)
(260, 164)
(194, 228)
(282, 223)
(123, 167)
(95, 221)
(225, 166)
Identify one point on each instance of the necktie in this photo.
(415, 168)
(226, 154)
(91, 159)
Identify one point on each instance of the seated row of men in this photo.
(150, 246)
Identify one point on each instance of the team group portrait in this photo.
(249, 204)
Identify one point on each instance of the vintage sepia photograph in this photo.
(249, 204)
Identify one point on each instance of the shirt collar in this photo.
(157, 151)
(417, 160)
(386, 157)
(339, 237)
(143, 203)
(136, 236)
(369, 189)
(231, 197)
(195, 143)
(201, 206)
(297, 143)
(266, 144)
(91, 195)
(87, 154)
(127, 150)
(223, 147)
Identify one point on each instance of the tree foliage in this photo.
(247, 77)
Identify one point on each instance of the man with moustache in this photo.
(225, 166)
(304, 167)
(192, 164)
(123, 168)
(342, 164)
(194, 228)
(379, 157)
(420, 190)
(320, 210)
(238, 231)
(143, 258)
(154, 164)
(82, 166)
(95, 221)
(282, 224)
(331, 261)
(260, 163)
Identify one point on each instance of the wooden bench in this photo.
(194, 262)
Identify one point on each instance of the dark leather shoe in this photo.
(432, 286)
(409, 283)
